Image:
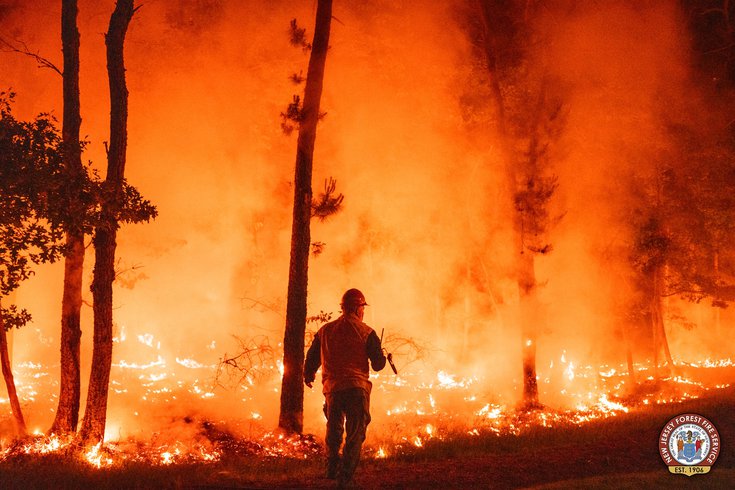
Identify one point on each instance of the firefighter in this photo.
(342, 348)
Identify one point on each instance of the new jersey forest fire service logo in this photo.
(689, 444)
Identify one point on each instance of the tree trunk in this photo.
(95, 415)
(656, 320)
(487, 18)
(665, 343)
(629, 355)
(67, 413)
(660, 342)
(519, 171)
(9, 380)
(718, 310)
(528, 319)
(292, 387)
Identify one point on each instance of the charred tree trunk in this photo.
(9, 380)
(292, 387)
(67, 413)
(95, 415)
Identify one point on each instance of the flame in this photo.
(146, 339)
(159, 362)
(612, 406)
(487, 412)
(97, 458)
(191, 363)
(446, 379)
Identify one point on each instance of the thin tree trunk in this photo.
(629, 355)
(665, 343)
(95, 415)
(718, 310)
(9, 380)
(528, 319)
(292, 387)
(518, 173)
(491, 58)
(660, 342)
(655, 320)
(67, 413)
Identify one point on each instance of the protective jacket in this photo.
(343, 348)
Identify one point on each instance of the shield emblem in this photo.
(689, 452)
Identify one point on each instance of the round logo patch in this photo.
(689, 444)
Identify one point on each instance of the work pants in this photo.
(346, 410)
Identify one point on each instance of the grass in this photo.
(617, 452)
(722, 478)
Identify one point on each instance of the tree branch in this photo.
(23, 49)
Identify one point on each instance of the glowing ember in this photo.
(487, 412)
(446, 380)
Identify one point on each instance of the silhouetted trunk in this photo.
(9, 380)
(67, 413)
(497, 38)
(718, 310)
(528, 318)
(490, 47)
(95, 415)
(660, 342)
(292, 386)
(629, 355)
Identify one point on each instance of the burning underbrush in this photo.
(208, 443)
(159, 416)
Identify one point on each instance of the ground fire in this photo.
(176, 401)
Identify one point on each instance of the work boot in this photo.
(343, 482)
(332, 469)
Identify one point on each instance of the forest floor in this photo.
(617, 452)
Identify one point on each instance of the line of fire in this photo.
(537, 199)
